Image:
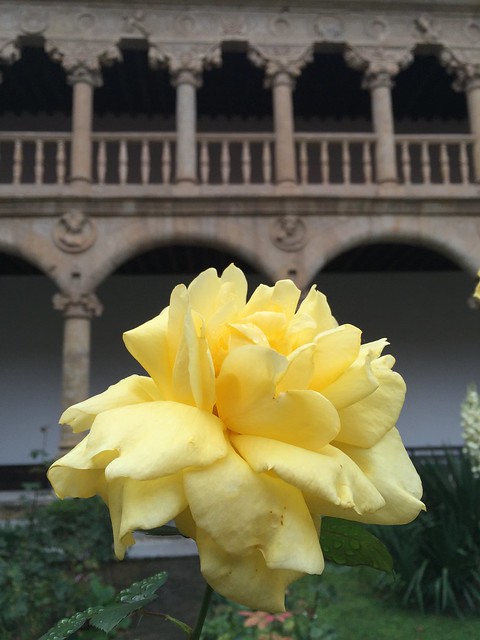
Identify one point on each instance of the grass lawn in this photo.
(358, 613)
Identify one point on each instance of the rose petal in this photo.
(156, 439)
(149, 345)
(132, 390)
(247, 401)
(245, 579)
(332, 483)
(335, 351)
(389, 468)
(356, 383)
(243, 511)
(366, 421)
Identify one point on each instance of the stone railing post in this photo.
(186, 64)
(379, 67)
(82, 61)
(282, 66)
(464, 64)
(78, 310)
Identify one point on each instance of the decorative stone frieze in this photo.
(78, 305)
(74, 232)
(289, 233)
(426, 28)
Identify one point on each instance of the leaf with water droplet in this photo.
(348, 543)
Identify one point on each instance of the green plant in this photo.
(437, 557)
(48, 565)
(305, 602)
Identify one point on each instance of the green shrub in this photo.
(437, 557)
(48, 565)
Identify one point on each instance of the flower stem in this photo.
(197, 630)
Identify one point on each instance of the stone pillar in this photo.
(78, 311)
(186, 81)
(83, 82)
(379, 67)
(82, 60)
(186, 63)
(282, 66)
(464, 64)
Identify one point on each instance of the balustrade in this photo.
(435, 159)
(228, 159)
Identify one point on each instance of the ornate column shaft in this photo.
(83, 83)
(186, 63)
(282, 66)
(465, 66)
(186, 82)
(82, 62)
(78, 311)
(379, 67)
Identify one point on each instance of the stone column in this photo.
(186, 81)
(82, 60)
(83, 82)
(78, 310)
(379, 67)
(186, 63)
(282, 66)
(464, 64)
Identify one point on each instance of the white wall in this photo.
(433, 334)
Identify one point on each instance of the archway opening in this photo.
(30, 375)
(416, 297)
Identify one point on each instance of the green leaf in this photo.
(143, 590)
(112, 615)
(67, 626)
(347, 543)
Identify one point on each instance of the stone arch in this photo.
(461, 246)
(140, 238)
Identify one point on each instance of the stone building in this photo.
(140, 142)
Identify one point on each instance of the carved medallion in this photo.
(328, 28)
(74, 232)
(34, 20)
(377, 29)
(289, 233)
(280, 26)
(472, 30)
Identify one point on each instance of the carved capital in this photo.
(9, 51)
(74, 232)
(464, 65)
(280, 61)
(81, 305)
(379, 64)
(185, 61)
(83, 59)
(289, 233)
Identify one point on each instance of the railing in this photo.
(323, 160)
(332, 158)
(34, 158)
(434, 159)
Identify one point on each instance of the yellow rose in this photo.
(257, 417)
